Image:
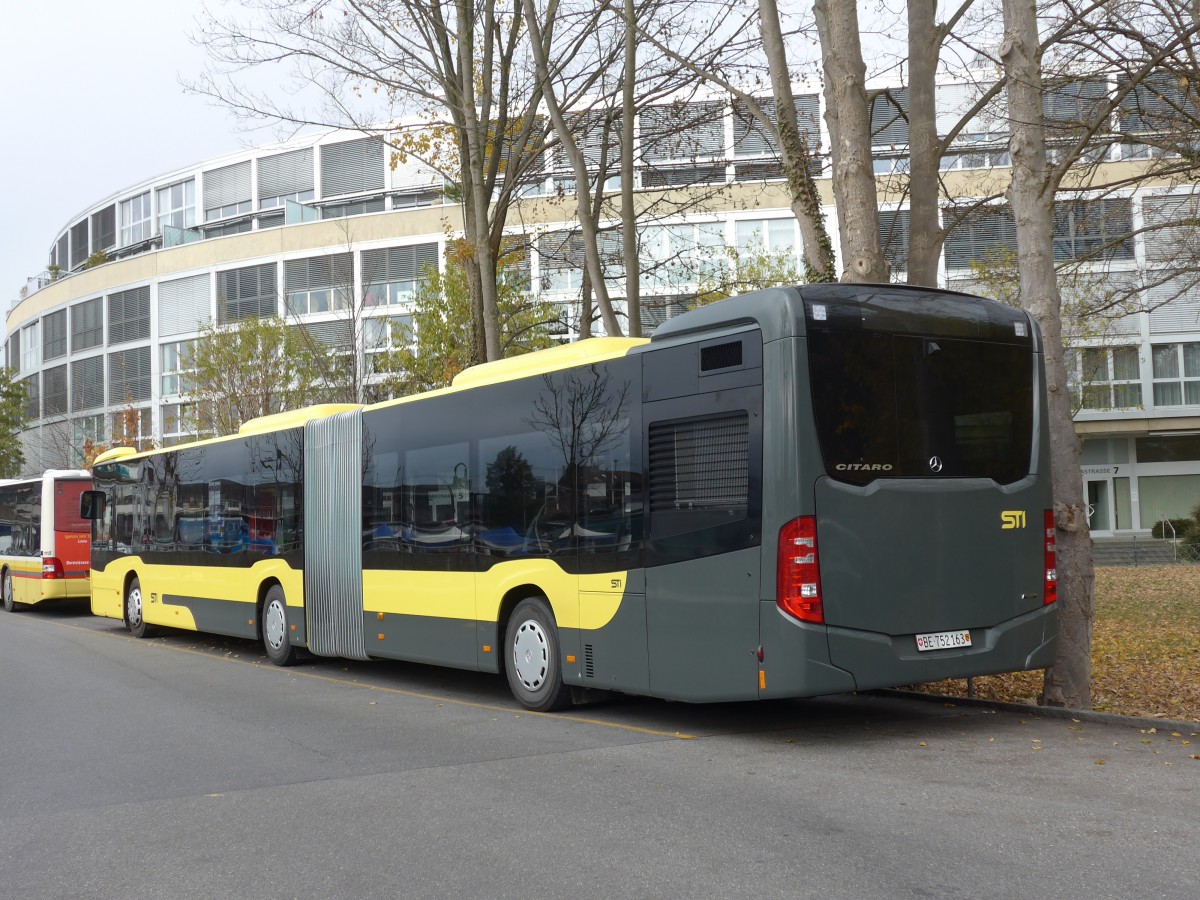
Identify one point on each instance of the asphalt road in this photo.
(186, 766)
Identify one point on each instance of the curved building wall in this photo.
(270, 230)
(277, 230)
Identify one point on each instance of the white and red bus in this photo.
(45, 546)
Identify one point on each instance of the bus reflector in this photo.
(52, 567)
(1050, 562)
(798, 573)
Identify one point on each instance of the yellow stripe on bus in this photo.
(587, 602)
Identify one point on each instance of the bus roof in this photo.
(561, 357)
(292, 418)
(783, 312)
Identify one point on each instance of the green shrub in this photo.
(1181, 526)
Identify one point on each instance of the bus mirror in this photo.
(91, 505)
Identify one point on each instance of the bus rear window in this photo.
(889, 405)
(66, 506)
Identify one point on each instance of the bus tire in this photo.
(10, 605)
(275, 628)
(135, 619)
(533, 659)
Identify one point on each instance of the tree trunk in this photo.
(848, 116)
(629, 240)
(819, 264)
(475, 201)
(591, 244)
(924, 239)
(1031, 193)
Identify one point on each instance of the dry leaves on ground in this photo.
(1145, 647)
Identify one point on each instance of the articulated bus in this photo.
(43, 540)
(794, 492)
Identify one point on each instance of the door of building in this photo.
(1100, 511)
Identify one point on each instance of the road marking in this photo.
(351, 682)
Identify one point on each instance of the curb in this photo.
(1051, 712)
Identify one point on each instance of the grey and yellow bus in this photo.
(43, 540)
(794, 492)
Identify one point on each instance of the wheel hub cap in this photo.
(275, 625)
(531, 655)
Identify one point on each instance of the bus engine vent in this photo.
(721, 356)
(701, 465)
(589, 663)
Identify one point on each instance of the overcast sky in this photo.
(92, 104)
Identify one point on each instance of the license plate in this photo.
(943, 640)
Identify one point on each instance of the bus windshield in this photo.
(892, 405)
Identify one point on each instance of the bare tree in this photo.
(719, 55)
(540, 49)
(1069, 681)
(848, 118)
(461, 67)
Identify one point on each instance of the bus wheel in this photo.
(133, 610)
(6, 589)
(532, 661)
(275, 628)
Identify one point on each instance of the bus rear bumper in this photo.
(881, 660)
(65, 589)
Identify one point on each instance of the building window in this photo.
(766, 236)
(893, 238)
(129, 315)
(54, 391)
(1176, 374)
(279, 201)
(54, 335)
(177, 423)
(177, 205)
(129, 375)
(977, 151)
(285, 176)
(383, 334)
(104, 228)
(176, 367)
(33, 400)
(980, 235)
(391, 274)
(353, 208)
(247, 294)
(87, 383)
(560, 261)
(31, 348)
(132, 427)
(87, 325)
(239, 227)
(318, 284)
(136, 225)
(889, 119)
(352, 167)
(79, 243)
(680, 256)
(89, 428)
(1093, 230)
(1109, 378)
(227, 192)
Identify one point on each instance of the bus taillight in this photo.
(798, 574)
(52, 567)
(1050, 564)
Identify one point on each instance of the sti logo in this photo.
(1012, 518)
